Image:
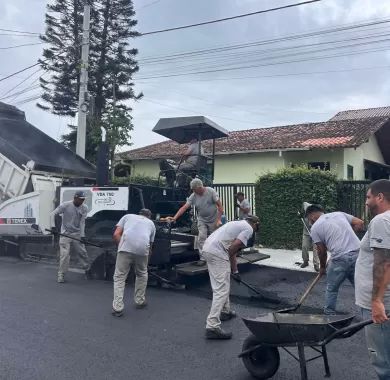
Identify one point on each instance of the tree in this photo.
(111, 63)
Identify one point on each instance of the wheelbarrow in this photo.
(271, 331)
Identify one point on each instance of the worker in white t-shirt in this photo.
(134, 235)
(220, 250)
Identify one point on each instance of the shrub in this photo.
(279, 197)
(140, 179)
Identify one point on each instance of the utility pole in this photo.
(83, 93)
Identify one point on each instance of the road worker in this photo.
(220, 252)
(73, 226)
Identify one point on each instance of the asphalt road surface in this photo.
(66, 331)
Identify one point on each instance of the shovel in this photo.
(73, 238)
(308, 290)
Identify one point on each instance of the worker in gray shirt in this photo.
(73, 225)
(372, 277)
(209, 209)
(307, 243)
(243, 205)
(334, 233)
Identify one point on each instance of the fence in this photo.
(227, 194)
(351, 197)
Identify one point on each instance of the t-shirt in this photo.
(219, 242)
(334, 230)
(193, 149)
(73, 218)
(205, 205)
(244, 204)
(138, 234)
(377, 236)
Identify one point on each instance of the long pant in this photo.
(337, 271)
(307, 244)
(65, 247)
(204, 230)
(219, 272)
(378, 344)
(124, 261)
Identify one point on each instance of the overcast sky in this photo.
(236, 99)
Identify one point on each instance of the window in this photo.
(319, 165)
(350, 172)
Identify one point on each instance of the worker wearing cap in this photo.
(220, 251)
(209, 209)
(73, 225)
(243, 205)
(134, 235)
(334, 233)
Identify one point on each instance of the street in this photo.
(66, 331)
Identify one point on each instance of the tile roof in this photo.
(363, 113)
(330, 134)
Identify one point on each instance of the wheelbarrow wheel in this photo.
(261, 363)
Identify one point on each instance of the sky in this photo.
(280, 87)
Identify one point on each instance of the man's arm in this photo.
(357, 224)
(117, 234)
(58, 211)
(323, 256)
(381, 280)
(220, 210)
(180, 212)
(233, 250)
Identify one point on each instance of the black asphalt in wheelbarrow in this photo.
(260, 352)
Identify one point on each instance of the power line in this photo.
(19, 31)
(18, 72)
(230, 18)
(17, 85)
(148, 5)
(23, 45)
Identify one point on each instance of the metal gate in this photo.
(227, 194)
(352, 198)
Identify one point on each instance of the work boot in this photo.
(141, 305)
(88, 274)
(201, 263)
(217, 333)
(227, 316)
(60, 278)
(117, 313)
(304, 264)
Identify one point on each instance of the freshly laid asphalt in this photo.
(66, 331)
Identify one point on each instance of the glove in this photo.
(54, 230)
(236, 276)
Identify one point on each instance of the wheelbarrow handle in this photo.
(348, 331)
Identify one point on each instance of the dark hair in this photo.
(145, 212)
(314, 208)
(381, 186)
(240, 193)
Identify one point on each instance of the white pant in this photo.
(65, 245)
(219, 272)
(124, 261)
(204, 230)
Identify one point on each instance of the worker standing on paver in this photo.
(209, 211)
(372, 277)
(220, 251)
(134, 235)
(243, 205)
(307, 243)
(73, 225)
(334, 233)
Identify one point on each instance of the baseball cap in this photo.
(80, 194)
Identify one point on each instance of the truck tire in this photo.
(102, 230)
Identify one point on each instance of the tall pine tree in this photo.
(111, 64)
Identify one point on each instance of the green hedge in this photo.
(140, 179)
(280, 195)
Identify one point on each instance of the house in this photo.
(354, 144)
